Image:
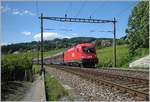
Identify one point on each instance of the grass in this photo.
(35, 69)
(54, 90)
(52, 52)
(140, 52)
(105, 56)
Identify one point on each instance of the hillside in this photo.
(57, 44)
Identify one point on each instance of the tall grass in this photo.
(105, 56)
(140, 52)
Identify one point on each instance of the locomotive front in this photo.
(88, 58)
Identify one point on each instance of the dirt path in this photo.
(36, 91)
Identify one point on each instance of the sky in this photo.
(20, 21)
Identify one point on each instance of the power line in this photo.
(68, 9)
(37, 9)
(95, 10)
(101, 31)
(124, 10)
(82, 6)
(63, 29)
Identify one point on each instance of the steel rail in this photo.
(94, 78)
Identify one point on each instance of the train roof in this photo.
(80, 45)
(86, 44)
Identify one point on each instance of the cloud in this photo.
(20, 12)
(4, 43)
(26, 33)
(5, 9)
(49, 36)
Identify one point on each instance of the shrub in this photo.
(16, 67)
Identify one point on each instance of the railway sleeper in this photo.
(131, 91)
(141, 86)
(144, 89)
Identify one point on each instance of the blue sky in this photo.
(20, 21)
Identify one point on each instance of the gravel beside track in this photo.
(90, 91)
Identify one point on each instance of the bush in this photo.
(16, 67)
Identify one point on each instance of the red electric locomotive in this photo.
(83, 55)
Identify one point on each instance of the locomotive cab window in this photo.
(88, 49)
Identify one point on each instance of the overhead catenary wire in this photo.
(37, 12)
(68, 9)
(124, 10)
(81, 8)
(63, 29)
(37, 9)
(97, 8)
(101, 31)
(68, 12)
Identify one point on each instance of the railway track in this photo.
(126, 73)
(136, 87)
(134, 73)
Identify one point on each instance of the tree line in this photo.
(58, 43)
(138, 28)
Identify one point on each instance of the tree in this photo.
(138, 27)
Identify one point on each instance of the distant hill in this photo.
(57, 43)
